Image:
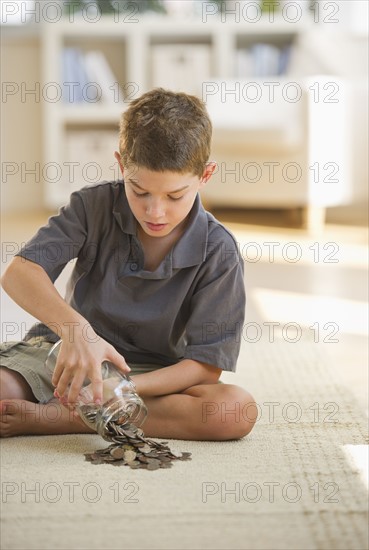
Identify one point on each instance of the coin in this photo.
(117, 452)
(153, 466)
(129, 456)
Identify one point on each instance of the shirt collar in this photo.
(190, 250)
(122, 212)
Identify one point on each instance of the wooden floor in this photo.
(294, 280)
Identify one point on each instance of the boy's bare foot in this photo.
(21, 417)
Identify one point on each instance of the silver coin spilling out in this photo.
(131, 448)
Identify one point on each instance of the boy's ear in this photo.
(119, 159)
(209, 169)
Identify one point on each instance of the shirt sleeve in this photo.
(217, 314)
(60, 241)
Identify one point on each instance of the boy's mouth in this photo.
(155, 226)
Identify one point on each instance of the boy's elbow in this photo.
(6, 276)
(11, 271)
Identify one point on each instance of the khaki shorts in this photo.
(28, 358)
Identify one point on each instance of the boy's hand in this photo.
(79, 360)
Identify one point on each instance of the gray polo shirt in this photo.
(192, 306)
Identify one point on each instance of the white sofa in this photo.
(281, 144)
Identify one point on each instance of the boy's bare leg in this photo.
(213, 412)
(21, 417)
(205, 412)
(20, 414)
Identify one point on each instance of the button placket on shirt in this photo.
(136, 255)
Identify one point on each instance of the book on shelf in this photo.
(93, 75)
(74, 75)
(262, 60)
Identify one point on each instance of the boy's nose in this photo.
(155, 209)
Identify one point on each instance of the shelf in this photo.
(87, 114)
(165, 27)
(143, 54)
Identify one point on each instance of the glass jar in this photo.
(121, 404)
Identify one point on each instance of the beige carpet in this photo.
(223, 498)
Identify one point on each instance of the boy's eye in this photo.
(175, 198)
(146, 194)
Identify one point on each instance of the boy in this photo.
(158, 285)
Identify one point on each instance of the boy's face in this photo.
(161, 201)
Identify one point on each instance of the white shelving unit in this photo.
(129, 49)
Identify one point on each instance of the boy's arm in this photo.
(30, 287)
(175, 378)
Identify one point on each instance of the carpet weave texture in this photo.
(289, 485)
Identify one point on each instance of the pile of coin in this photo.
(131, 448)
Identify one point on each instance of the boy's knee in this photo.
(234, 413)
(7, 384)
(14, 386)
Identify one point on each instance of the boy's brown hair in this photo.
(166, 131)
